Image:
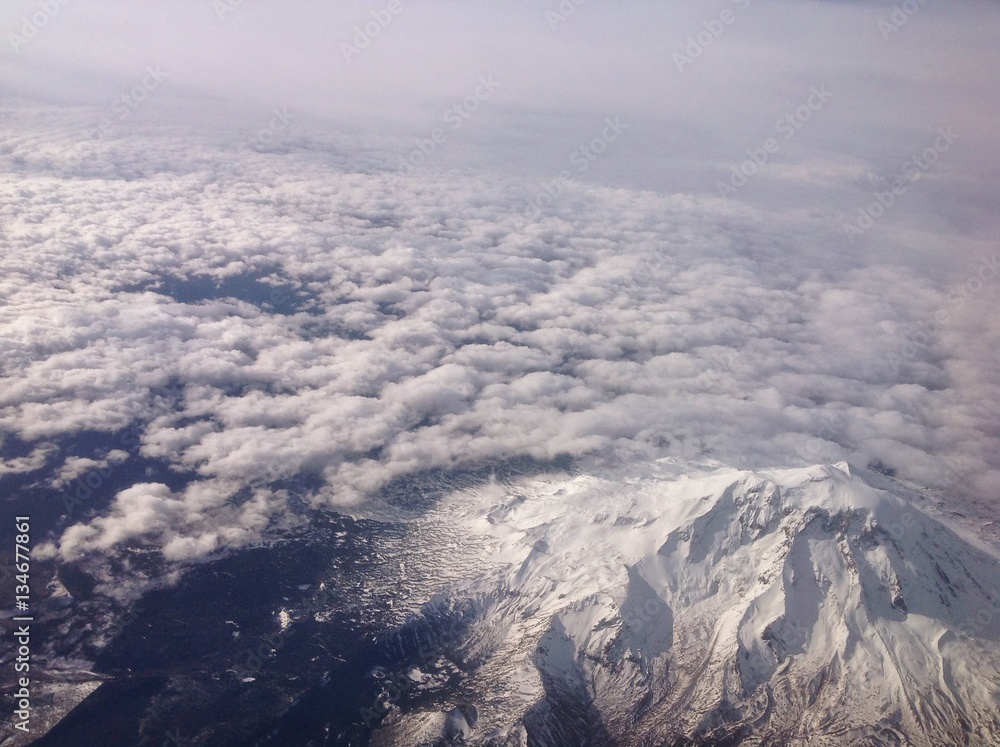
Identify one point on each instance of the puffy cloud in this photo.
(75, 467)
(26, 464)
(431, 318)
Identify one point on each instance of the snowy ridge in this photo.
(721, 607)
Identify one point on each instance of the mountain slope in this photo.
(723, 607)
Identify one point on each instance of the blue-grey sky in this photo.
(560, 75)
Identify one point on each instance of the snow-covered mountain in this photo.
(800, 607)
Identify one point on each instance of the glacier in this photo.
(699, 605)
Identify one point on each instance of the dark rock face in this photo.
(727, 616)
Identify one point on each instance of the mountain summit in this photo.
(801, 607)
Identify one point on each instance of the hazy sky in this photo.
(560, 75)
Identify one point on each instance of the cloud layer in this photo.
(441, 323)
(274, 260)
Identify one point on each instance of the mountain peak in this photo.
(719, 606)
